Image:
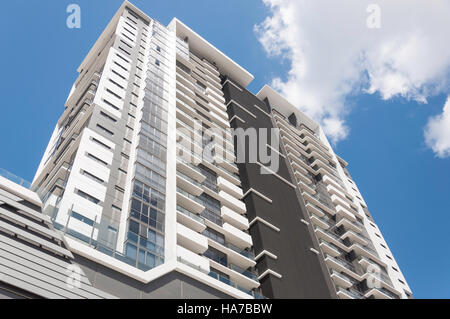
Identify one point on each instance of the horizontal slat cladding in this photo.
(33, 239)
(32, 260)
(30, 267)
(26, 210)
(31, 225)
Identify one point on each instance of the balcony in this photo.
(189, 141)
(235, 255)
(191, 240)
(335, 182)
(191, 220)
(320, 202)
(302, 176)
(331, 238)
(342, 265)
(189, 201)
(231, 177)
(315, 210)
(367, 252)
(340, 279)
(308, 188)
(191, 171)
(225, 154)
(189, 184)
(244, 272)
(193, 260)
(354, 237)
(237, 275)
(187, 156)
(328, 248)
(230, 188)
(349, 294)
(380, 293)
(344, 195)
(232, 284)
(233, 218)
(232, 203)
(321, 222)
(350, 225)
(237, 237)
(344, 212)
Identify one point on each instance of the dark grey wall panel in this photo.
(303, 274)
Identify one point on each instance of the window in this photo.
(120, 66)
(402, 282)
(100, 143)
(105, 130)
(158, 48)
(214, 235)
(395, 269)
(116, 84)
(126, 52)
(157, 62)
(389, 257)
(126, 45)
(132, 33)
(88, 197)
(114, 94)
(110, 104)
(82, 218)
(123, 34)
(131, 26)
(108, 117)
(131, 20)
(93, 177)
(96, 159)
(116, 73)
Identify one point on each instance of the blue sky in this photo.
(406, 187)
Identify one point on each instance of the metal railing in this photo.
(191, 215)
(16, 179)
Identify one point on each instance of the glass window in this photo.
(131, 251)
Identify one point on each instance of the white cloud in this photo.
(333, 54)
(437, 132)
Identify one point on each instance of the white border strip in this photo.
(251, 190)
(269, 271)
(276, 175)
(236, 118)
(265, 222)
(259, 108)
(229, 81)
(265, 252)
(243, 108)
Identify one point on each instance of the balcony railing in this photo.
(342, 262)
(13, 178)
(190, 196)
(244, 272)
(244, 253)
(234, 285)
(351, 292)
(189, 179)
(191, 215)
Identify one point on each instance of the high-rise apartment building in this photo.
(143, 185)
(313, 234)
